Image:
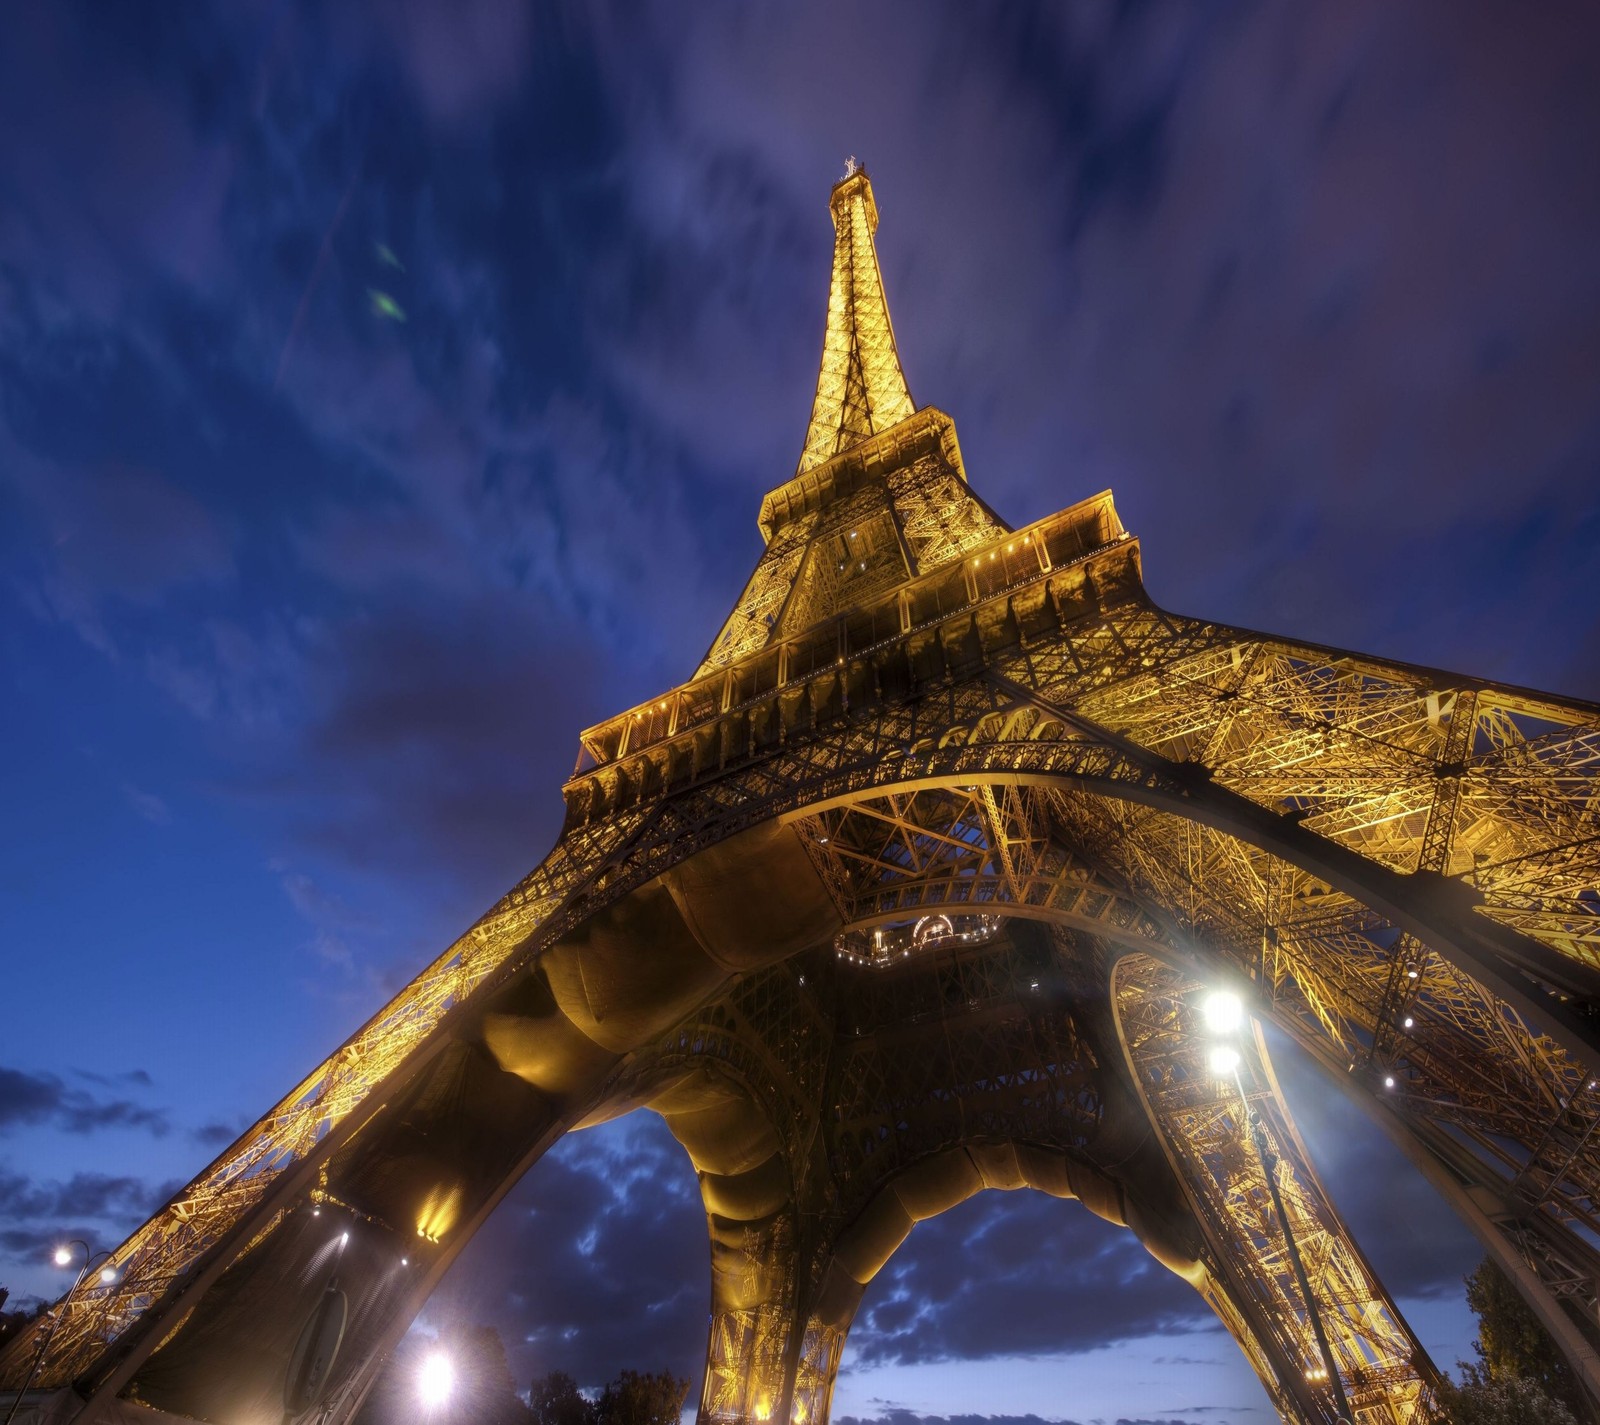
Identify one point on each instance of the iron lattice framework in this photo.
(910, 892)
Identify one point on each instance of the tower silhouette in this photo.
(918, 887)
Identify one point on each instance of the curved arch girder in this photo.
(1465, 1070)
(1341, 763)
(1384, 1371)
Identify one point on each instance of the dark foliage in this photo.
(1514, 1350)
(636, 1399)
(1519, 1400)
(633, 1398)
(554, 1400)
(14, 1323)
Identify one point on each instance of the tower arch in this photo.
(914, 710)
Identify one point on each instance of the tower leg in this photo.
(1330, 1337)
(750, 1349)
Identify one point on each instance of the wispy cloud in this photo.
(147, 805)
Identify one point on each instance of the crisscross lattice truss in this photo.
(1201, 1120)
(861, 389)
(1292, 860)
(972, 729)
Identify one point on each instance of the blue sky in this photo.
(305, 593)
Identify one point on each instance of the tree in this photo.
(635, 1399)
(1517, 1400)
(14, 1323)
(554, 1400)
(1512, 1346)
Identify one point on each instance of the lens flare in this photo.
(1223, 1060)
(1223, 1011)
(436, 1379)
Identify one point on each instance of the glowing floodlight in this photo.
(1222, 1060)
(436, 1379)
(108, 1275)
(63, 1257)
(1223, 1011)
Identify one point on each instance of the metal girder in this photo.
(961, 719)
(1385, 1373)
(952, 731)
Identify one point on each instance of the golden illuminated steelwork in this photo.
(1201, 1118)
(861, 389)
(907, 893)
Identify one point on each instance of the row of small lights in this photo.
(994, 553)
(887, 957)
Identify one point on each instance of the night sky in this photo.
(387, 393)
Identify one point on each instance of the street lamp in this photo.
(436, 1379)
(1223, 1011)
(1223, 1060)
(1224, 1014)
(63, 1258)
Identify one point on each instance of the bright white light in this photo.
(1409, 1021)
(63, 1257)
(1223, 1012)
(1388, 1081)
(405, 1261)
(108, 1275)
(1222, 1060)
(436, 1379)
(344, 1239)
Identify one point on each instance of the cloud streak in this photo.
(31, 1099)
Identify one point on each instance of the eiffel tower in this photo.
(919, 886)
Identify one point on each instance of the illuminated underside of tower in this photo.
(914, 889)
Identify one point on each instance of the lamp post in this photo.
(63, 1258)
(1224, 1014)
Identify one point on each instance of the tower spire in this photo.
(861, 389)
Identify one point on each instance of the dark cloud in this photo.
(598, 1260)
(84, 1195)
(97, 1208)
(214, 1135)
(138, 1077)
(438, 742)
(1017, 1274)
(28, 1099)
(910, 1417)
